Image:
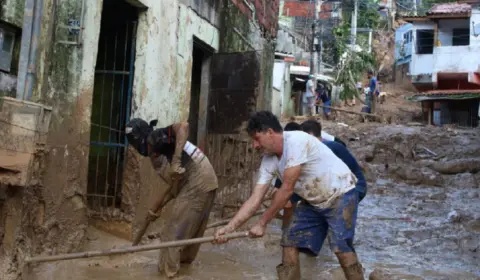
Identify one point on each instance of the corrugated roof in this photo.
(449, 92)
(450, 8)
(455, 94)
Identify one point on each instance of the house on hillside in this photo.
(439, 51)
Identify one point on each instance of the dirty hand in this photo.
(258, 230)
(177, 170)
(219, 235)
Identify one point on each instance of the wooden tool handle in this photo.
(132, 249)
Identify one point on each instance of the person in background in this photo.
(315, 128)
(322, 95)
(309, 98)
(372, 92)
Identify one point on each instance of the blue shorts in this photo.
(310, 226)
(327, 110)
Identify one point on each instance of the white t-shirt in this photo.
(327, 136)
(309, 92)
(323, 176)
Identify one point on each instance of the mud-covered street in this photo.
(415, 223)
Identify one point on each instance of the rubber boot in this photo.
(351, 267)
(288, 272)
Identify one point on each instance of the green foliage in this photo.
(352, 66)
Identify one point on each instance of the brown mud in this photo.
(415, 223)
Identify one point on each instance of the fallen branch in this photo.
(377, 117)
(132, 249)
(457, 166)
(357, 95)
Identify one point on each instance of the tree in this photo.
(353, 64)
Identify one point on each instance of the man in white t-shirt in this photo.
(325, 184)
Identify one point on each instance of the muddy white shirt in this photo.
(323, 176)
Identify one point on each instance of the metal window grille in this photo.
(110, 112)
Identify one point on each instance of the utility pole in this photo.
(354, 23)
(312, 49)
(313, 52)
(320, 55)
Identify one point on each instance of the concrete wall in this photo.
(65, 81)
(448, 58)
(65, 78)
(445, 29)
(421, 63)
(400, 42)
(282, 105)
(162, 87)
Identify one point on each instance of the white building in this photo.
(445, 46)
(444, 62)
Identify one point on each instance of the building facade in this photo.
(440, 52)
(95, 64)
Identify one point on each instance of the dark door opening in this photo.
(195, 93)
(111, 103)
(200, 54)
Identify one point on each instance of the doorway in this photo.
(199, 90)
(111, 103)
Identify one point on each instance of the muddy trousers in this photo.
(188, 219)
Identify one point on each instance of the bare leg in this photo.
(351, 266)
(290, 267)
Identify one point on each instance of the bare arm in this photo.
(249, 207)
(282, 196)
(181, 136)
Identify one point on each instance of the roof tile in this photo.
(450, 8)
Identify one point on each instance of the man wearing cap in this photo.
(177, 160)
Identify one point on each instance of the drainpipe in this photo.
(32, 59)
(25, 47)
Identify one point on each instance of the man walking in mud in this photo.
(182, 164)
(323, 182)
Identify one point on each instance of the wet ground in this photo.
(407, 229)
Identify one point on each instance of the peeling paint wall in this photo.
(65, 77)
(164, 60)
(239, 34)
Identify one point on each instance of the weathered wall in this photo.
(239, 33)
(54, 216)
(163, 71)
(11, 11)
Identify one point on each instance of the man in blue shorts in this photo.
(325, 185)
